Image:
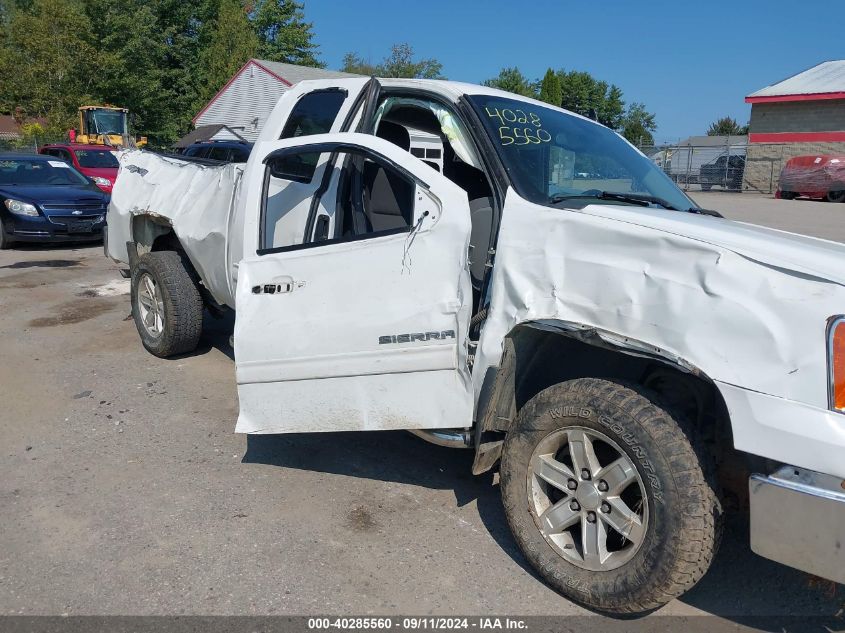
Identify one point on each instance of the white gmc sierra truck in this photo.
(419, 255)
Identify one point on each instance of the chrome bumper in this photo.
(798, 519)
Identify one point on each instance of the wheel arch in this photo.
(531, 362)
(151, 233)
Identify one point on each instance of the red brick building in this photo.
(803, 114)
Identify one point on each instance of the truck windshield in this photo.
(555, 158)
(107, 121)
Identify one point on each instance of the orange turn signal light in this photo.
(837, 364)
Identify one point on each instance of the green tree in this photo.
(399, 63)
(512, 80)
(590, 97)
(46, 66)
(612, 111)
(727, 126)
(354, 63)
(231, 43)
(550, 89)
(283, 33)
(639, 125)
(149, 52)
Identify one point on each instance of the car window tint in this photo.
(96, 159)
(220, 153)
(314, 113)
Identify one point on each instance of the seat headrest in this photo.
(395, 133)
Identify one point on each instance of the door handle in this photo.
(273, 289)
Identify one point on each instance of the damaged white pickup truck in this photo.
(428, 256)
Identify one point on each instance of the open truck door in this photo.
(363, 325)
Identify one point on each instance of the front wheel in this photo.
(837, 194)
(606, 494)
(166, 304)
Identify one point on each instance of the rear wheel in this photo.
(166, 304)
(787, 195)
(606, 494)
(706, 186)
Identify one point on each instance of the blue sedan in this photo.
(44, 199)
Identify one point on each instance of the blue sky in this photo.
(690, 62)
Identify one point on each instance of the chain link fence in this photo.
(722, 163)
(29, 144)
(714, 163)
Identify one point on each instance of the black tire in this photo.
(181, 303)
(5, 240)
(837, 194)
(706, 186)
(680, 537)
(787, 195)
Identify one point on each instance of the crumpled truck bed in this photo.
(197, 201)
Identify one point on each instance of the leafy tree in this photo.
(612, 110)
(399, 63)
(231, 43)
(512, 80)
(550, 88)
(46, 65)
(639, 125)
(354, 63)
(149, 51)
(283, 33)
(727, 126)
(587, 96)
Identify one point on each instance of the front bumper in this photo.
(798, 519)
(54, 228)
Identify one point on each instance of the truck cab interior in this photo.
(396, 120)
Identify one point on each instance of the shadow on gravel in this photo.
(394, 456)
(44, 263)
(216, 331)
(740, 586)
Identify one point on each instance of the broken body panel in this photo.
(741, 306)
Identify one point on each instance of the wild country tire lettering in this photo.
(619, 431)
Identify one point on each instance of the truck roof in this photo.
(453, 90)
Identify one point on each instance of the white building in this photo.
(245, 102)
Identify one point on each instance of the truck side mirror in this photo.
(297, 167)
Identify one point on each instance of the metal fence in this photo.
(731, 166)
(30, 144)
(717, 166)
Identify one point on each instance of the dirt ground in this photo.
(123, 489)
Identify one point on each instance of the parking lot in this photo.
(125, 491)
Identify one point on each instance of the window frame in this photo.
(333, 148)
(342, 92)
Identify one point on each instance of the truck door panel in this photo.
(362, 331)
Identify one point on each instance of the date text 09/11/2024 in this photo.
(418, 623)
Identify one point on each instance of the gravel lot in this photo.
(125, 491)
